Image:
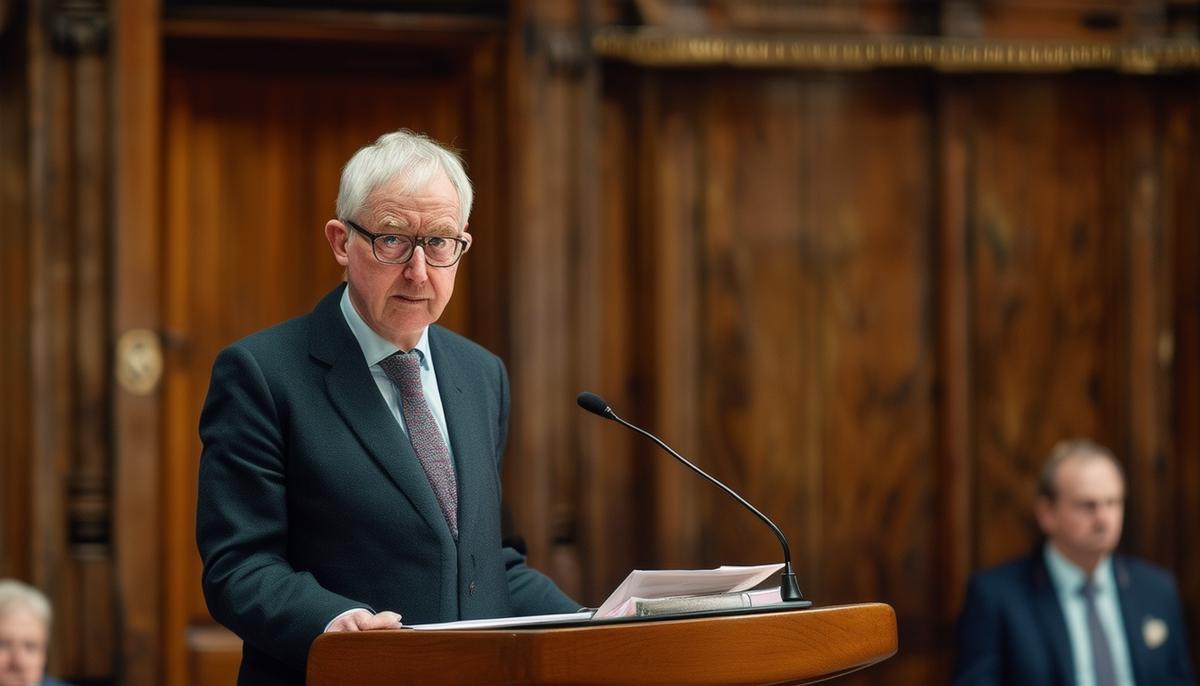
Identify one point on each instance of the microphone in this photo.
(789, 590)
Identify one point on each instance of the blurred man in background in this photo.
(24, 635)
(1074, 612)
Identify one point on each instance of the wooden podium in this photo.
(790, 647)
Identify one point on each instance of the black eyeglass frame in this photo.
(415, 241)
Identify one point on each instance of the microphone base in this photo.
(789, 590)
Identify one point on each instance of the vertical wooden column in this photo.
(136, 317)
(549, 66)
(15, 305)
(69, 267)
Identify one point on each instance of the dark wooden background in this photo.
(864, 261)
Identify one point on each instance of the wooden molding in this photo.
(659, 49)
(325, 25)
(79, 26)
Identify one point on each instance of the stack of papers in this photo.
(643, 585)
(667, 583)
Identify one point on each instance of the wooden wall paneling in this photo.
(1181, 216)
(571, 563)
(1047, 348)
(546, 64)
(747, 16)
(136, 287)
(1080, 20)
(1150, 466)
(482, 107)
(187, 248)
(663, 260)
(15, 297)
(872, 232)
(810, 338)
(51, 363)
(952, 278)
(614, 514)
(88, 486)
(756, 301)
(603, 202)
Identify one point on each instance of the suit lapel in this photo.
(1050, 614)
(353, 392)
(464, 417)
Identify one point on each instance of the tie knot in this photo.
(1088, 589)
(403, 368)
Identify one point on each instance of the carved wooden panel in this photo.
(780, 256)
(1047, 232)
(1181, 216)
(782, 242)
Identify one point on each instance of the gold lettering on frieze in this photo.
(656, 49)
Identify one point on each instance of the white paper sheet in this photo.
(504, 622)
(664, 583)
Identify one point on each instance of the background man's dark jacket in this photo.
(1012, 629)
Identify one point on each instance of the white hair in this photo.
(412, 158)
(14, 595)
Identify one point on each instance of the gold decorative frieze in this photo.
(655, 49)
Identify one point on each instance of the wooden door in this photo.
(254, 136)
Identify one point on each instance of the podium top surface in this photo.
(793, 647)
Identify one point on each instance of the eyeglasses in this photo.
(397, 248)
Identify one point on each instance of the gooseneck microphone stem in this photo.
(789, 590)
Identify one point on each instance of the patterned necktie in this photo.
(1101, 650)
(405, 371)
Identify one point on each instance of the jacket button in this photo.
(471, 588)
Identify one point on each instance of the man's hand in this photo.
(363, 620)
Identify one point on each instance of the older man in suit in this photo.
(25, 615)
(350, 477)
(1074, 612)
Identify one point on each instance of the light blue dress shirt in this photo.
(1067, 580)
(375, 348)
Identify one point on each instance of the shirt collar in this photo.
(1068, 578)
(375, 347)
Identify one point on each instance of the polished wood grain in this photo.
(15, 313)
(776, 648)
(1049, 350)
(1181, 214)
(869, 298)
(137, 432)
(953, 349)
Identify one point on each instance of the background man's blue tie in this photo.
(1101, 650)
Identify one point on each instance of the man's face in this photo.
(1084, 521)
(399, 300)
(22, 648)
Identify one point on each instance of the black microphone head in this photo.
(594, 404)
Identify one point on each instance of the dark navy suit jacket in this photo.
(311, 501)
(1012, 629)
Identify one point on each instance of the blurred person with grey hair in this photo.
(350, 474)
(1075, 612)
(24, 635)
